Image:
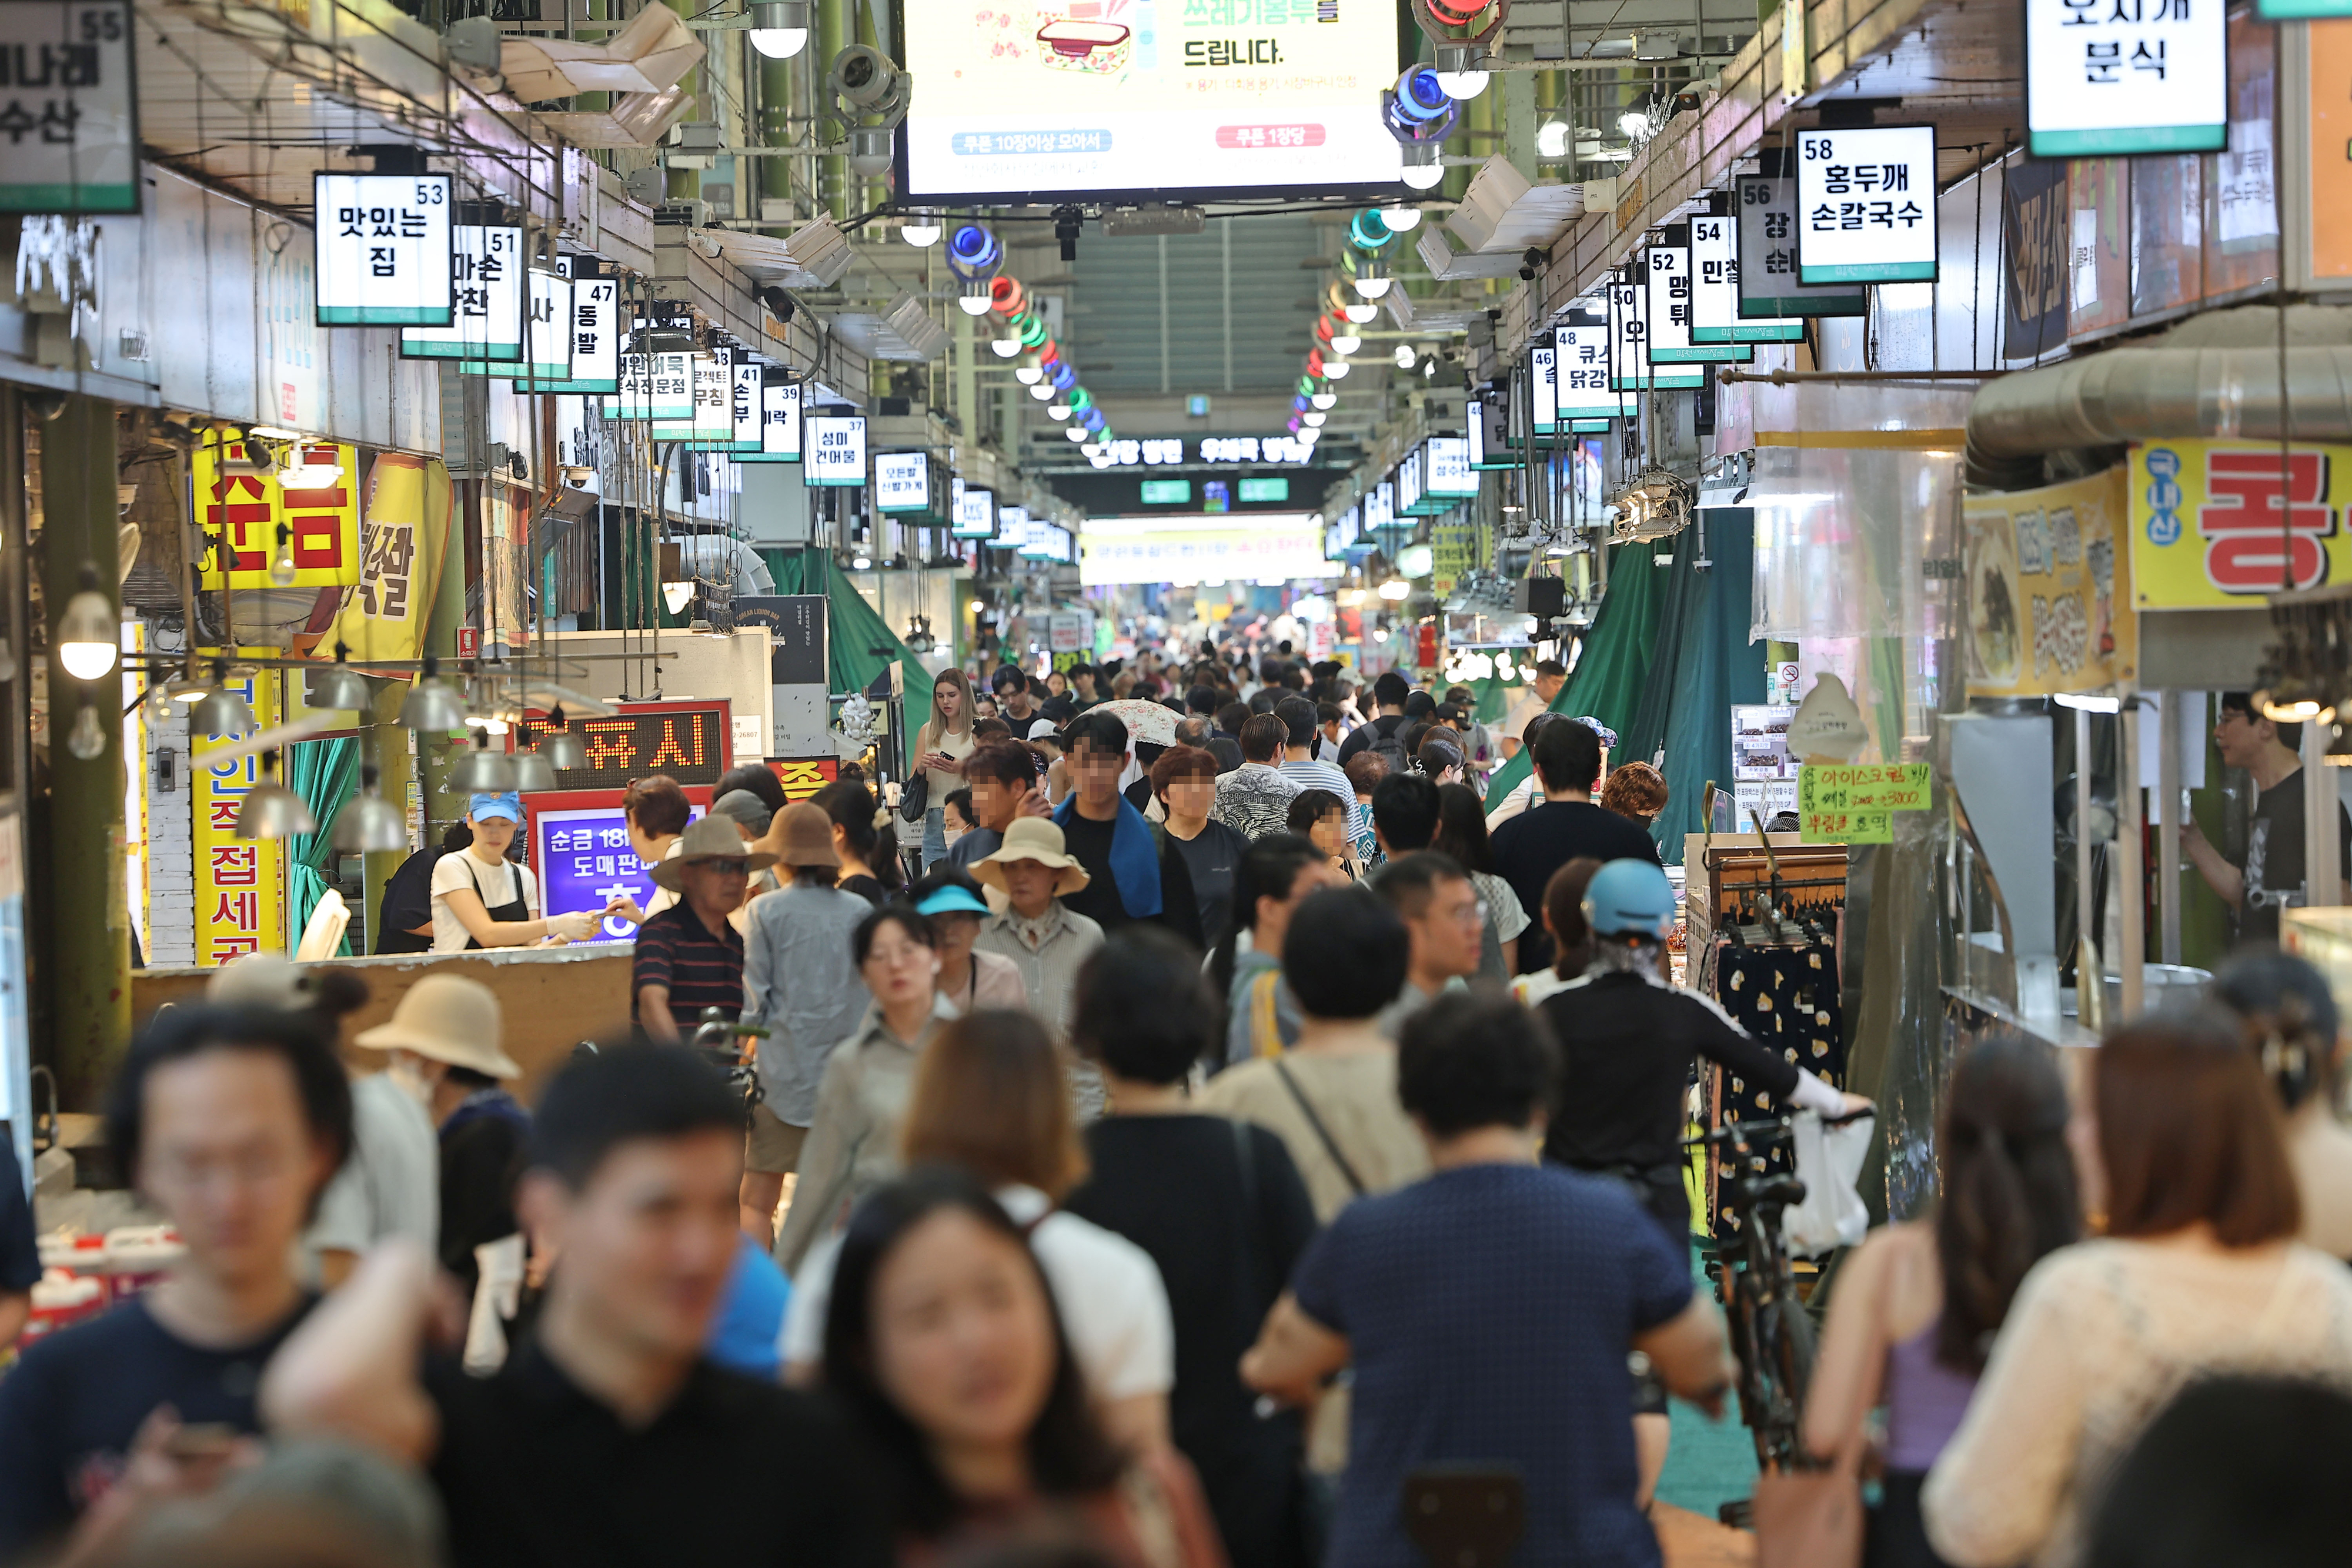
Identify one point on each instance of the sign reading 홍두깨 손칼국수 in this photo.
(690, 742)
(2219, 524)
(67, 109)
(2049, 589)
(1866, 204)
(2108, 77)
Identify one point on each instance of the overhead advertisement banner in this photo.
(1145, 97)
(408, 503)
(382, 249)
(2112, 77)
(1768, 258)
(2217, 524)
(1202, 547)
(2049, 591)
(1715, 291)
(1866, 204)
(240, 515)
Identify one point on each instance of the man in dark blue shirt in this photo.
(1488, 1310)
(20, 1253)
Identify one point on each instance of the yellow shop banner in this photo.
(2049, 589)
(2222, 524)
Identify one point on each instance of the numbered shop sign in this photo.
(69, 108)
(902, 482)
(779, 421)
(1581, 347)
(833, 454)
(382, 249)
(1446, 471)
(1715, 291)
(486, 292)
(1866, 204)
(547, 333)
(1630, 367)
(2111, 78)
(745, 403)
(1767, 235)
(975, 516)
(1672, 291)
(1543, 384)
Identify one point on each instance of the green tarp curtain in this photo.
(1703, 668)
(326, 774)
(1611, 673)
(852, 630)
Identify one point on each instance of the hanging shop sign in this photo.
(1856, 802)
(1543, 387)
(242, 512)
(240, 882)
(546, 332)
(2114, 77)
(406, 508)
(1866, 204)
(1452, 551)
(1011, 527)
(1380, 507)
(1670, 287)
(382, 249)
(1582, 343)
(2217, 524)
(2036, 244)
(1445, 470)
(485, 294)
(709, 422)
(976, 513)
(2049, 589)
(70, 110)
(594, 346)
(1715, 290)
(655, 386)
(743, 403)
(832, 450)
(1409, 486)
(779, 421)
(1631, 367)
(688, 741)
(902, 482)
(1767, 237)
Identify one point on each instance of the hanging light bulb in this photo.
(1029, 374)
(921, 230)
(1363, 311)
(560, 744)
(431, 707)
(282, 567)
(370, 824)
(87, 739)
(780, 28)
(1058, 410)
(484, 771)
(1040, 390)
(1004, 347)
(1313, 419)
(89, 633)
(272, 810)
(532, 772)
(1324, 399)
(1075, 431)
(1405, 356)
(1345, 342)
(1372, 281)
(1337, 370)
(1422, 169)
(220, 714)
(1401, 220)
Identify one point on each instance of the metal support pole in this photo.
(88, 939)
(2323, 881)
(2090, 988)
(435, 756)
(964, 386)
(2131, 860)
(2175, 812)
(384, 742)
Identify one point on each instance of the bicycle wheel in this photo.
(1783, 1369)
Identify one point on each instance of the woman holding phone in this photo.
(941, 748)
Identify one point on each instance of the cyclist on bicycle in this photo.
(1629, 1039)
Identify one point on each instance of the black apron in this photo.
(514, 909)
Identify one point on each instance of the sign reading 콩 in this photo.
(1866, 204)
(692, 742)
(1768, 288)
(240, 515)
(2049, 589)
(240, 899)
(1715, 291)
(68, 108)
(834, 450)
(902, 482)
(382, 249)
(486, 293)
(2216, 523)
(2143, 76)
(1144, 95)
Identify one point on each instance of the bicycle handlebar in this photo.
(1771, 1129)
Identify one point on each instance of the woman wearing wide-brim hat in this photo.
(1037, 840)
(1049, 941)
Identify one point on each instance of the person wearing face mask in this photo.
(480, 899)
(444, 1041)
(956, 817)
(969, 979)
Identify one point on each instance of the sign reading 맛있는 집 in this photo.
(1855, 802)
(2220, 524)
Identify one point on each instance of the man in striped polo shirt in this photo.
(689, 958)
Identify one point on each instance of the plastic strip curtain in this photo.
(853, 631)
(326, 774)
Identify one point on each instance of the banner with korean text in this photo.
(240, 512)
(2049, 590)
(2224, 524)
(240, 882)
(406, 504)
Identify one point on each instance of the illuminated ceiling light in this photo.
(1323, 399)
(972, 297)
(1029, 374)
(780, 28)
(1367, 231)
(1401, 220)
(1396, 588)
(677, 595)
(1346, 343)
(1337, 370)
(1634, 124)
(89, 633)
(862, 563)
(310, 468)
(1314, 418)
(1057, 410)
(1363, 310)
(1422, 169)
(973, 252)
(1004, 347)
(1040, 390)
(1462, 86)
(1551, 139)
(1075, 431)
(1405, 356)
(921, 230)
(1372, 287)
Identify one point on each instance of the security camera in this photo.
(1531, 259)
(779, 303)
(867, 82)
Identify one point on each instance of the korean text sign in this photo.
(1766, 237)
(1866, 204)
(690, 742)
(1856, 804)
(585, 861)
(382, 249)
(408, 506)
(832, 450)
(2105, 78)
(67, 108)
(2049, 589)
(1715, 290)
(486, 288)
(240, 515)
(2222, 523)
(1580, 347)
(902, 482)
(240, 882)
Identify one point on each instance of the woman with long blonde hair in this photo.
(941, 746)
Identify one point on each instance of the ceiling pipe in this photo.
(2145, 394)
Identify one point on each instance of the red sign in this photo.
(469, 641)
(1273, 136)
(690, 742)
(803, 776)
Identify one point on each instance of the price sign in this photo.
(1866, 204)
(834, 450)
(485, 296)
(382, 249)
(1715, 291)
(2109, 80)
(1855, 802)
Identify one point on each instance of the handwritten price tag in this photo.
(1856, 802)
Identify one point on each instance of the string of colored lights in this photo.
(1336, 330)
(975, 257)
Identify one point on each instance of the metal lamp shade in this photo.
(338, 687)
(533, 771)
(370, 824)
(273, 812)
(483, 772)
(433, 708)
(222, 714)
(562, 748)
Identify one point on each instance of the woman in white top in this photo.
(481, 899)
(941, 746)
(990, 1096)
(2199, 1274)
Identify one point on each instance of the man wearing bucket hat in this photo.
(801, 984)
(689, 956)
(444, 1040)
(1048, 942)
